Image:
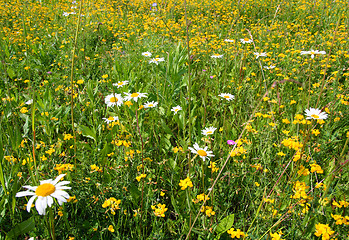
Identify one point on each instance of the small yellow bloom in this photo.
(159, 210)
(323, 230)
(23, 110)
(111, 228)
(185, 183)
(140, 177)
(236, 234)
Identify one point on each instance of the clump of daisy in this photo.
(269, 67)
(146, 54)
(134, 96)
(113, 99)
(257, 54)
(45, 192)
(150, 104)
(245, 40)
(217, 56)
(30, 101)
(314, 113)
(110, 119)
(208, 131)
(202, 152)
(176, 109)
(227, 96)
(120, 84)
(313, 53)
(157, 60)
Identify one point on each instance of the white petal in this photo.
(58, 197)
(63, 187)
(24, 193)
(63, 194)
(40, 206)
(30, 202)
(30, 188)
(57, 179)
(49, 201)
(62, 183)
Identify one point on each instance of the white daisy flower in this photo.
(202, 152)
(316, 114)
(227, 96)
(120, 84)
(134, 96)
(217, 56)
(263, 54)
(150, 104)
(113, 99)
(45, 192)
(30, 101)
(176, 109)
(269, 67)
(157, 60)
(245, 40)
(228, 40)
(110, 119)
(313, 53)
(208, 131)
(146, 54)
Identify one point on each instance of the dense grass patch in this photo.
(174, 120)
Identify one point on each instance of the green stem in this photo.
(71, 79)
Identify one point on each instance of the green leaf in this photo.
(26, 127)
(224, 225)
(88, 132)
(21, 228)
(310, 228)
(11, 73)
(165, 127)
(135, 193)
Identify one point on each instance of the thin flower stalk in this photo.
(72, 78)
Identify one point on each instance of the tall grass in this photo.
(134, 168)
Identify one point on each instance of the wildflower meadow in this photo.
(192, 119)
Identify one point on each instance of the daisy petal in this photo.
(30, 202)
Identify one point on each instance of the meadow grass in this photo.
(174, 119)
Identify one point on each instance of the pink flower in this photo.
(231, 142)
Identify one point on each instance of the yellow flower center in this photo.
(246, 39)
(150, 105)
(315, 116)
(120, 83)
(134, 95)
(202, 153)
(226, 96)
(45, 190)
(209, 132)
(110, 118)
(113, 99)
